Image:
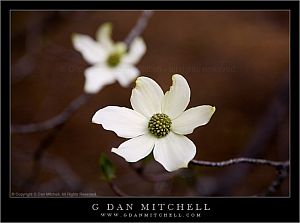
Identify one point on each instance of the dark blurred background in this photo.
(237, 61)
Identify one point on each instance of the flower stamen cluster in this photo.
(113, 59)
(159, 125)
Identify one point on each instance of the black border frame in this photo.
(222, 209)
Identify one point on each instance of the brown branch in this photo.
(276, 164)
(33, 42)
(276, 183)
(54, 164)
(268, 125)
(60, 120)
(58, 124)
(82, 99)
(56, 120)
(281, 167)
(139, 169)
(139, 27)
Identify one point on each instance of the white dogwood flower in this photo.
(157, 122)
(111, 61)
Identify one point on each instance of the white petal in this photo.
(192, 118)
(125, 74)
(119, 47)
(136, 50)
(146, 97)
(124, 122)
(96, 78)
(103, 35)
(135, 149)
(177, 98)
(91, 51)
(174, 151)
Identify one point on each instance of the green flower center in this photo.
(113, 59)
(159, 125)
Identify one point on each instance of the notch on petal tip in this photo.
(177, 75)
(137, 82)
(107, 25)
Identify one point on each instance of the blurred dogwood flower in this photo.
(157, 122)
(111, 61)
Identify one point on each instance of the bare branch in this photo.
(82, 99)
(275, 185)
(266, 128)
(33, 42)
(54, 164)
(139, 27)
(56, 123)
(276, 164)
(281, 167)
(56, 120)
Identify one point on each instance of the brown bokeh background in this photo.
(237, 61)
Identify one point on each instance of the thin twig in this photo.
(47, 141)
(281, 167)
(56, 123)
(268, 125)
(56, 120)
(82, 99)
(33, 35)
(276, 183)
(276, 164)
(139, 27)
(54, 164)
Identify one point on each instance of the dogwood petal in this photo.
(146, 97)
(177, 98)
(119, 48)
(136, 50)
(135, 149)
(125, 74)
(123, 121)
(174, 151)
(96, 78)
(91, 51)
(192, 118)
(103, 35)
